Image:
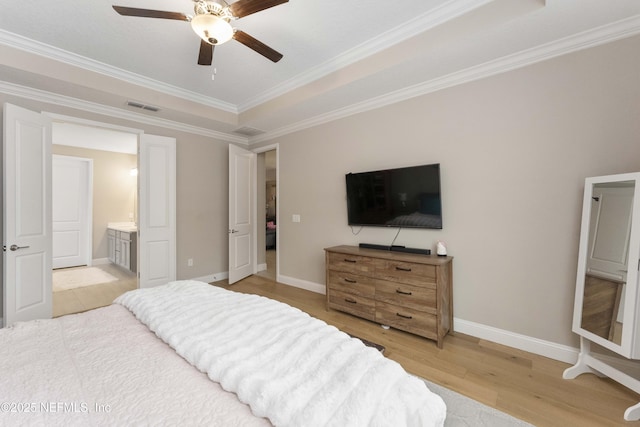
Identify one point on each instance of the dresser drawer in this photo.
(351, 283)
(410, 292)
(353, 304)
(351, 263)
(407, 319)
(422, 298)
(406, 272)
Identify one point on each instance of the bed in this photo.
(188, 353)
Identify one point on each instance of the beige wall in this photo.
(514, 151)
(202, 205)
(114, 190)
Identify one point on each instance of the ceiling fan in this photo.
(212, 24)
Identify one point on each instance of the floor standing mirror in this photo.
(607, 298)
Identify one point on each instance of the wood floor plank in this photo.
(522, 384)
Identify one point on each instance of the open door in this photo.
(242, 166)
(27, 244)
(157, 220)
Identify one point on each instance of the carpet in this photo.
(465, 412)
(66, 279)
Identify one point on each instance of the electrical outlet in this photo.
(296, 218)
(190, 262)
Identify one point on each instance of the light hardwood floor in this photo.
(522, 384)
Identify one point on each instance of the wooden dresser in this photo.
(406, 291)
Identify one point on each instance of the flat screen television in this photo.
(402, 197)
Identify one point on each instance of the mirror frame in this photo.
(630, 343)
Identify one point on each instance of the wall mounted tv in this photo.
(402, 197)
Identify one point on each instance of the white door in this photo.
(610, 228)
(27, 215)
(71, 193)
(157, 219)
(242, 166)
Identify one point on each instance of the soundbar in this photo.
(413, 250)
(395, 248)
(374, 246)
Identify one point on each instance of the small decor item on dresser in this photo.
(441, 249)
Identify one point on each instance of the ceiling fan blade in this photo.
(247, 7)
(206, 53)
(148, 13)
(257, 45)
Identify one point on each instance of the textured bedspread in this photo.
(287, 366)
(105, 368)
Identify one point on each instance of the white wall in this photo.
(514, 151)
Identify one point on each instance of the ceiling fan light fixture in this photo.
(212, 29)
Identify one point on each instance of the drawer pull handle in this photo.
(403, 292)
(350, 260)
(350, 281)
(404, 316)
(350, 301)
(403, 269)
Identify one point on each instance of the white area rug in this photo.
(80, 277)
(465, 412)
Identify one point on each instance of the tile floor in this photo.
(94, 296)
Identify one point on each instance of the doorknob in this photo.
(231, 231)
(16, 247)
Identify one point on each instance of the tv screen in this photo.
(402, 197)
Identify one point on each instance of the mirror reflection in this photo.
(607, 259)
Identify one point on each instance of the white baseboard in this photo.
(212, 277)
(302, 284)
(548, 349)
(100, 261)
(262, 267)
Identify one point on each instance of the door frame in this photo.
(259, 150)
(88, 229)
(143, 170)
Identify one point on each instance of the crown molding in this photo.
(417, 25)
(118, 113)
(591, 38)
(433, 18)
(25, 44)
(587, 39)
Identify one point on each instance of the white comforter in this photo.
(287, 366)
(105, 368)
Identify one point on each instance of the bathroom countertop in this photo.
(128, 227)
